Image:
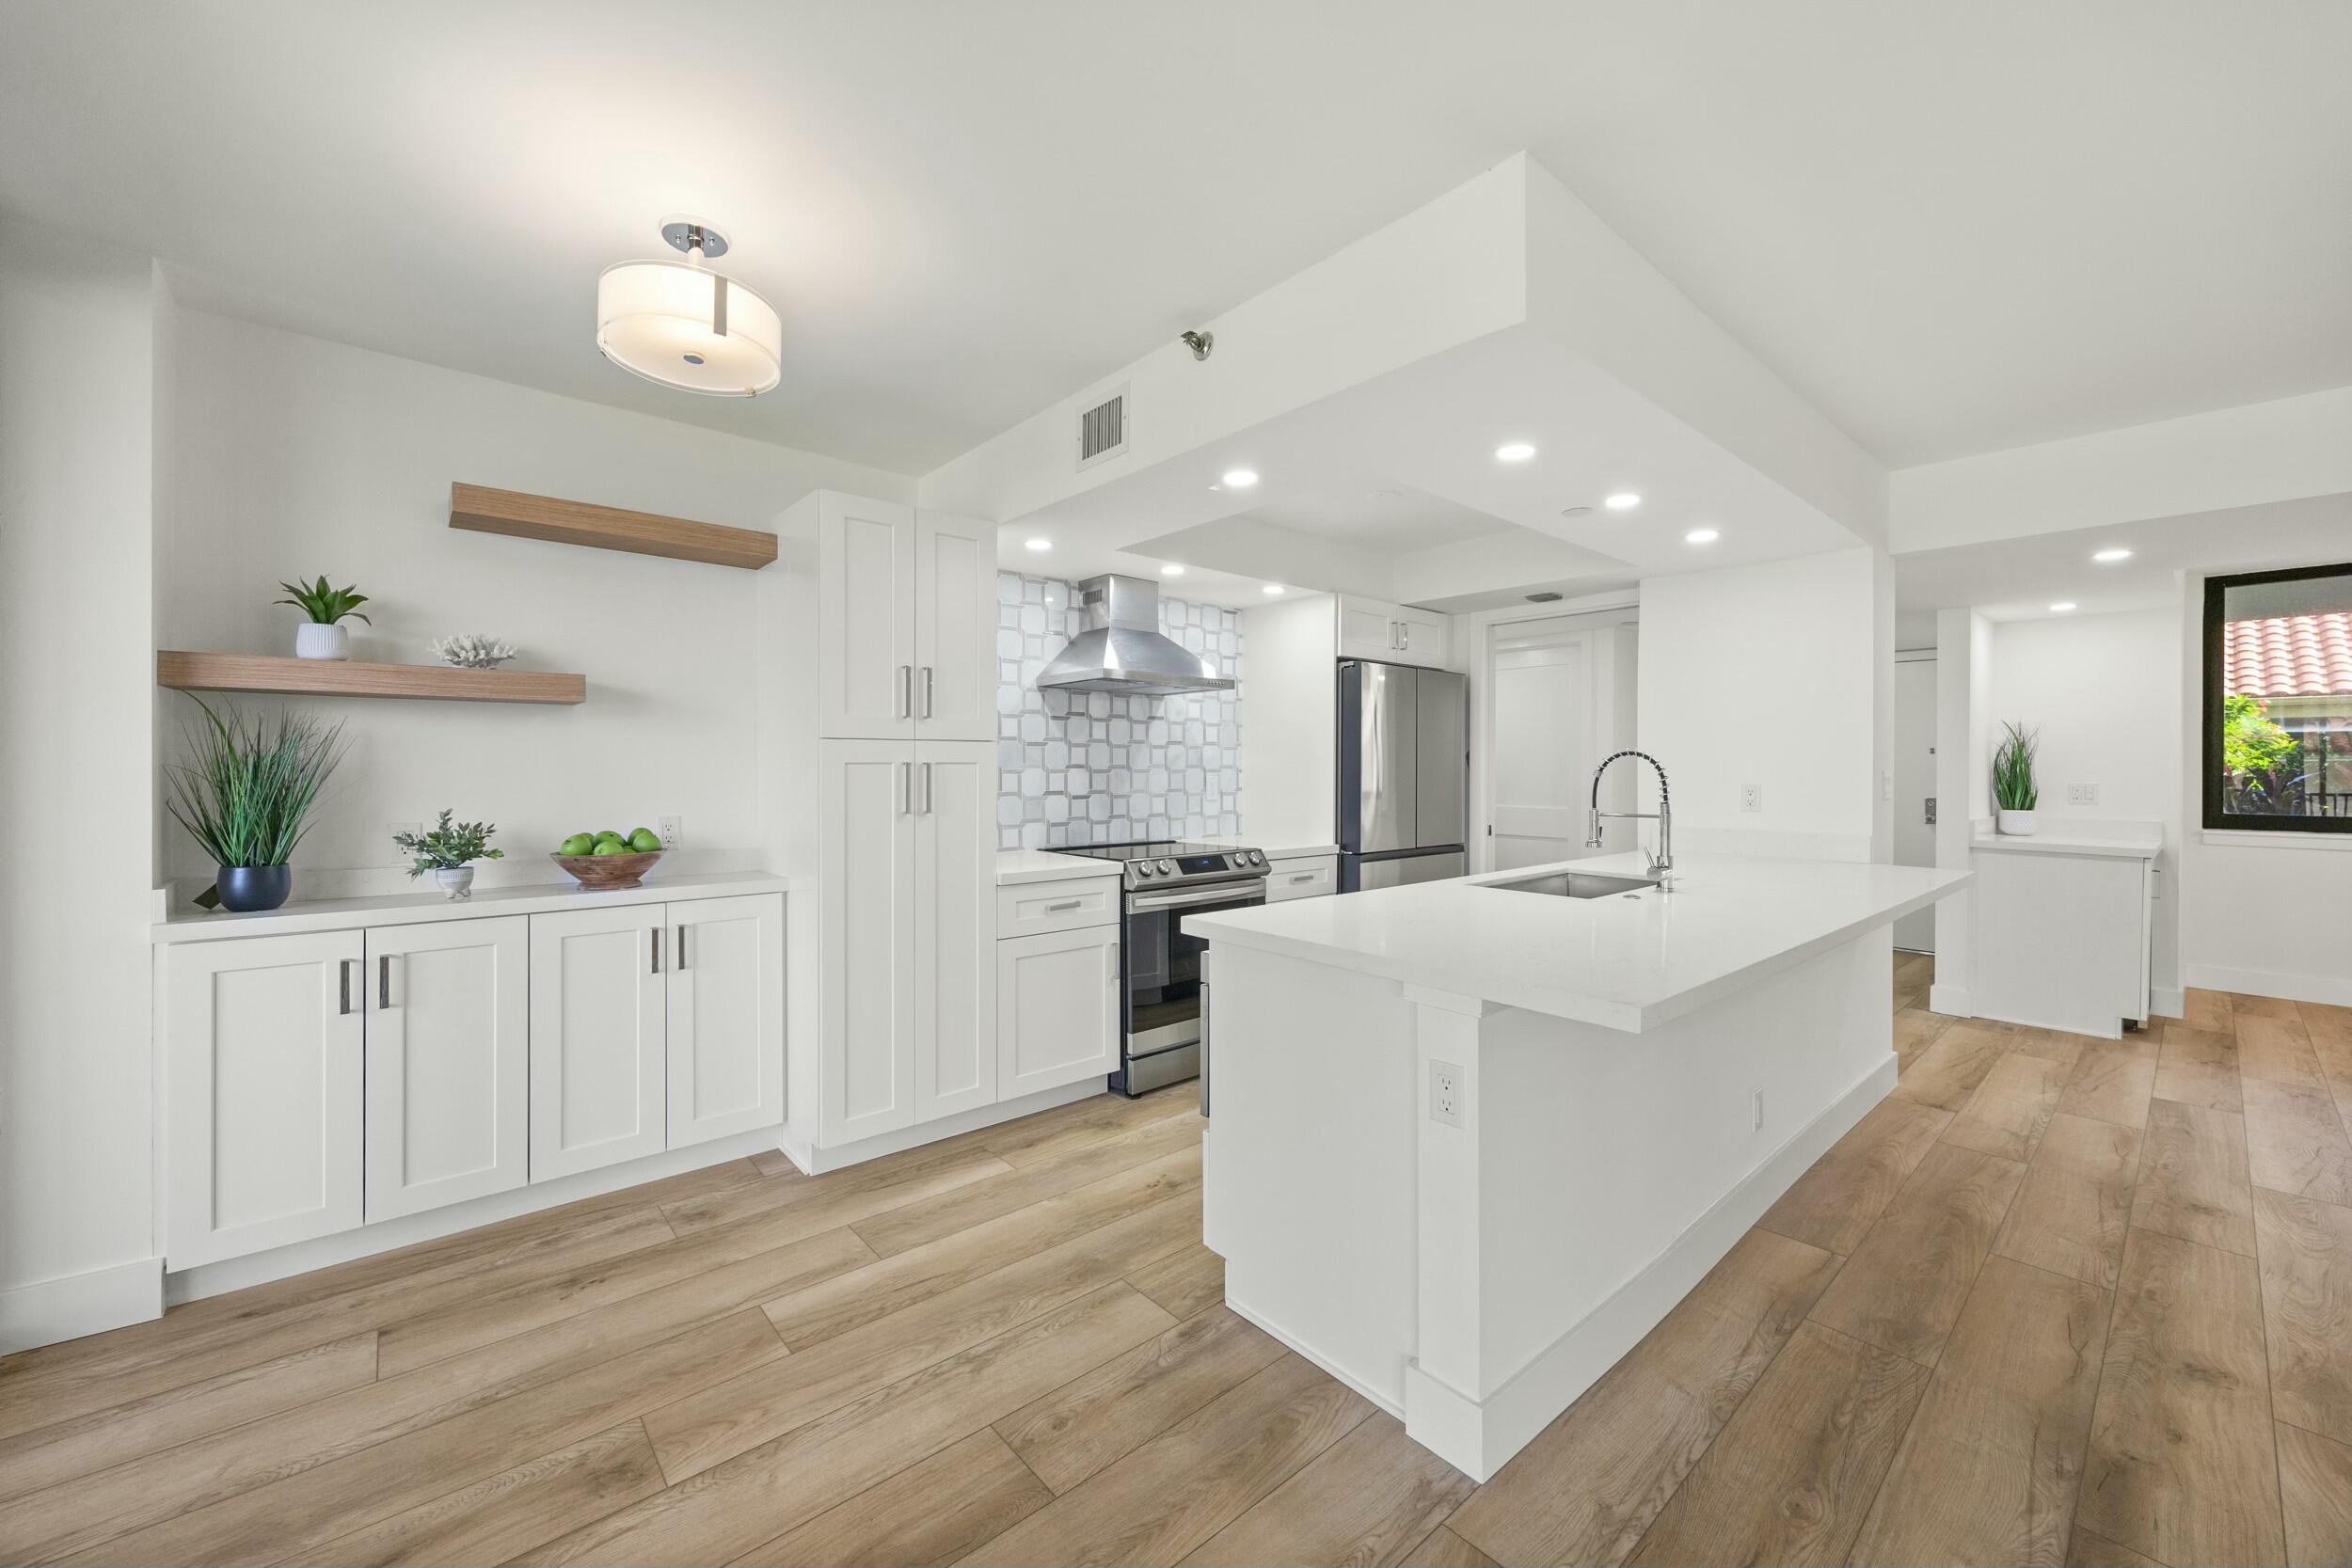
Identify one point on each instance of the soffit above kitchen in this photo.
(1951, 230)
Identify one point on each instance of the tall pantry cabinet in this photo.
(904, 952)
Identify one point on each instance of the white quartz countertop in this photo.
(1626, 962)
(1044, 865)
(344, 915)
(2119, 840)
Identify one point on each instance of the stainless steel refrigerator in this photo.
(1404, 774)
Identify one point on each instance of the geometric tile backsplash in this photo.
(1089, 768)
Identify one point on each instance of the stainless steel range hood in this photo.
(1121, 649)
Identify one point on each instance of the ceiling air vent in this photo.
(1102, 430)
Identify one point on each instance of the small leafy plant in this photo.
(448, 844)
(246, 790)
(2013, 788)
(323, 604)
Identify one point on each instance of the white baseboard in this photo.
(818, 1161)
(2331, 988)
(49, 1311)
(1291, 1341)
(1951, 1000)
(1478, 1436)
(260, 1268)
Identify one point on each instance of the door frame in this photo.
(1623, 608)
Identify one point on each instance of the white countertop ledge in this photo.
(1628, 962)
(1014, 866)
(413, 909)
(2115, 840)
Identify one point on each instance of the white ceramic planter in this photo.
(2016, 824)
(456, 881)
(313, 641)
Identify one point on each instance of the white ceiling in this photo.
(2016, 579)
(1379, 516)
(1954, 229)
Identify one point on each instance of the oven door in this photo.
(1161, 1016)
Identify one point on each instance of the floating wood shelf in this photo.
(481, 510)
(334, 677)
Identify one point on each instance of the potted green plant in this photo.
(449, 849)
(2014, 794)
(324, 635)
(246, 795)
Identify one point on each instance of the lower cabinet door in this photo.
(726, 1016)
(449, 1062)
(955, 928)
(599, 1086)
(866, 796)
(1056, 1010)
(263, 1039)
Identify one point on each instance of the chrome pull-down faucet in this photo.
(1663, 860)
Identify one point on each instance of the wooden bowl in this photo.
(605, 873)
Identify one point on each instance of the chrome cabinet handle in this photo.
(927, 788)
(657, 950)
(1304, 876)
(383, 981)
(1405, 636)
(906, 789)
(1064, 904)
(927, 692)
(343, 976)
(906, 690)
(680, 965)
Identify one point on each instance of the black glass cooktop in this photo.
(1165, 849)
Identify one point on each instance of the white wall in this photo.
(2102, 691)
(1769, 675)
(77, 344)
(297, 456)
(2266, 913)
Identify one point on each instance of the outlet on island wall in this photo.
(1097, 768)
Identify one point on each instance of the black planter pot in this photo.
(248, 888)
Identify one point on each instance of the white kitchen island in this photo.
(1467, 1143)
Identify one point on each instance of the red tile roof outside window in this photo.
(2289, 656)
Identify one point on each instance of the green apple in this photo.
(610, 847)
(579, 843)
(645, 840)
(611, 835)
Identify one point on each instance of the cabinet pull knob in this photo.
(1064, 904)
(927, 692)
(906, 690)
(657, 950)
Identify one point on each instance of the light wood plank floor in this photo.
(2059, 1300)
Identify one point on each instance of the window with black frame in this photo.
(2277, 742)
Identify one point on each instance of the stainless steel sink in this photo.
(1577, 884)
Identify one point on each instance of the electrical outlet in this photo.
(673, 831)
(1757, 1122)
(1445, 1093)
(1751, 797)
(400, 857)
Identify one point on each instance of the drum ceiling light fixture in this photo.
(681, 325)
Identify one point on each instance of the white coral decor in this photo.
(473, 651)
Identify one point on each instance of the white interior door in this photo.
(865, 612)
(1561, 700)
(955, 628)
(449, 1062)
(867, 890)
(955, 928)
(599, 1086)
(263, 1039)
(1915, 784)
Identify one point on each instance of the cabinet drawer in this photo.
(1313, 878)
(1032, 908)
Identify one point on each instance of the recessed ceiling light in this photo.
(1040, 544)
(2063, 605)
(1624, 500)
(1514, 452)
(1701, 536)
(1172, 570)
(1274, 588)
(2109, 557)
(1241, 479)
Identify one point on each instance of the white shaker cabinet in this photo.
(1057, 999)
(906, 621)
(263, 1047)
(866, 1040)
(725, 1003)
(599, 1082)
(448, 1062)
(955, 928)
(1396, 634)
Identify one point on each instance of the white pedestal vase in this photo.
(456, 881)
